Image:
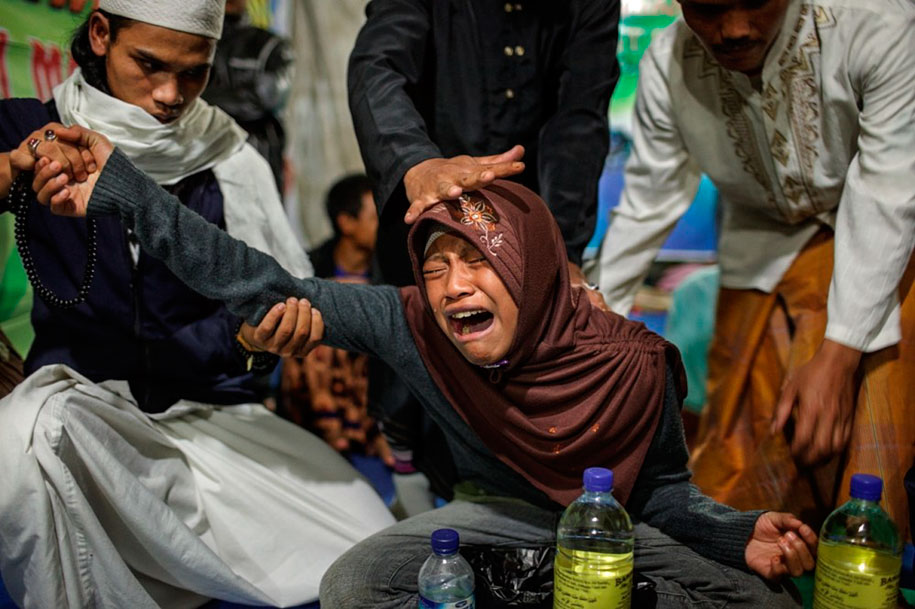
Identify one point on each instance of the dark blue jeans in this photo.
(381, 571)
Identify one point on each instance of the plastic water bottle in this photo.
(445, 579)
(859, 554)
(594, 544)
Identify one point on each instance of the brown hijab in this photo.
(579, 387)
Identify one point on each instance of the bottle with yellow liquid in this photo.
(860, 554)
(594, 542)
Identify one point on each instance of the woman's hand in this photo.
(781, 545)
(289, 329)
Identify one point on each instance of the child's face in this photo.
(469, 300)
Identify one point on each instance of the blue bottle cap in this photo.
(908, 559)
(598, 480)
(445, 541)
(866, 486)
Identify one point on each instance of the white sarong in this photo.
(102, 505)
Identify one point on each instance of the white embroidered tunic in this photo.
(827, 137)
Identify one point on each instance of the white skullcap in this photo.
(202, 17)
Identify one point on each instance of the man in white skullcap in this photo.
(138, 469)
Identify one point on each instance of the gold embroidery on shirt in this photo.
(779, 147)
(799, 86)
(770, 102)
(738, 127)
(742, 135)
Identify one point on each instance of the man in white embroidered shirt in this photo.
(803, 115)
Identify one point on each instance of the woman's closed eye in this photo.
(432, 270)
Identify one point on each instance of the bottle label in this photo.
(592, 580)
(855, 578)
(467, 603)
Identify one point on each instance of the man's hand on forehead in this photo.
(435, 180)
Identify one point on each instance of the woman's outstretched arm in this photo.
(250, 282)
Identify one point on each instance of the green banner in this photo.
(639, 22)
(34, 44)
(15, 291)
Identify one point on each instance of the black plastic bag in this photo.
(521, 575)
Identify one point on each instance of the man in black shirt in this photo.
(432, 81)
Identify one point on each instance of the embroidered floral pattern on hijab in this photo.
(478, 213)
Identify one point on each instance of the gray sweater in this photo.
(370, 319)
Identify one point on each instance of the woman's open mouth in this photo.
(468, 323)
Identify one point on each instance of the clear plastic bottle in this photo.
(594, 543)
(445, 579)
(859, 554)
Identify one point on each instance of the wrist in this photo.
(256, 360)
(840, 356)
(240, 337)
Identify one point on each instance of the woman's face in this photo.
(470, 302)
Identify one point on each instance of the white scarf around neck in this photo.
(201, 138)
(204, 137)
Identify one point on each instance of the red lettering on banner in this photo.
(4, 72)
(76, 6)
(46, 68)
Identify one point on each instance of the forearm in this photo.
(661, 180)
(569, 174)
(875, 222)
(388, 57)
(574, 142)
(873, 246)
(629, 247)
(390, 150)
(710, 528)
(664, 498)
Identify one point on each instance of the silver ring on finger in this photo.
(49, 135)
(32, 145)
